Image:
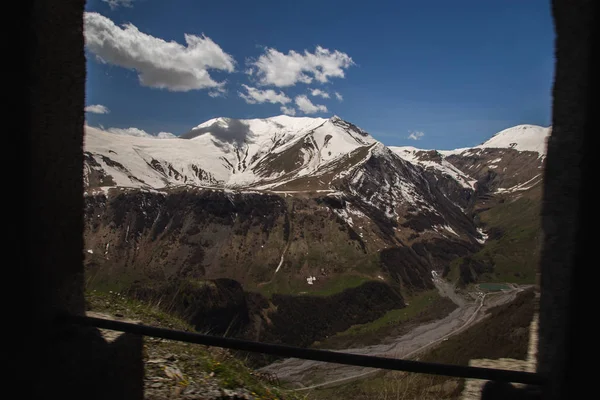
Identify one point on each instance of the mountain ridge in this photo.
(226, 152)
(501, 159)
(405, 192)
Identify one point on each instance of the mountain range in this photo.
(307, 206)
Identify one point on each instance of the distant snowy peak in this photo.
(521, 138)
(165, 135)
(136, 132)
(468, 165)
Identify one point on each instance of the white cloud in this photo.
(97, 109)
(338, 96)
(140, 133)
(415, 135)
(278, 69)
(307, 107)
(255, 96)
(165, 135)
(216, 93)
(129, 131)
(288, 110)
(159, 64)
(319, 92)
(114, 4)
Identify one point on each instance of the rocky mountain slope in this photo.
(289, 206)
(505, 174)
(312, 196)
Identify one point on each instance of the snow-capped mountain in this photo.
(272, 201)
(224, 152)
(276, 153)
(521, 137)
(281, 154)
(510, 161)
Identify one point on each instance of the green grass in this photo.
(394, 385)
(416, 305)
(339, 284)
(493, 287)
(514, 255)
(423, 306)
(194, 361)
(288, 285)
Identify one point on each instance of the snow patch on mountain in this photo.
(523, 186)
(414, 156)
(439, 228)
(482, 236)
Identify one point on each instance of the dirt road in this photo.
(307, 374)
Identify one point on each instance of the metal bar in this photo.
(311, 354)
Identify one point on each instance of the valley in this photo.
(307, 375)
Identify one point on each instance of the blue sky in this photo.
(457, 71)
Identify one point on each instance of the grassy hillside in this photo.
(204, 371)
(422, 307)
(511, 253)
(283, 284)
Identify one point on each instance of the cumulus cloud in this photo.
(97, 109)
(129, 132)
(254, 96)
(288, 110)
(140, 133)
(338, 96)
(415, 135)
(307, 107)
(319, 92)
(114, 4)
(279, 69)
(158, 63)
